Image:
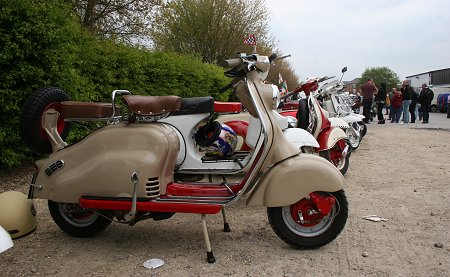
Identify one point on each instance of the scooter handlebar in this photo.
(231, 63)
(225, 88)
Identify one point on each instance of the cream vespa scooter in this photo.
(124, 172)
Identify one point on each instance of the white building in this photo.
(437, 80)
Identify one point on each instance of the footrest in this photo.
(237, 156)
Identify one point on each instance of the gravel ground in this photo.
(398, 173)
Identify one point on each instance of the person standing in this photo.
(380, 98)
(391, 96)
(396, 104)
(425, 98)
(407, 92)
(368, 90)
(413, 106)
(388, 104)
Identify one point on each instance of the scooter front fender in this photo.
(338, 122)
(300, 137)
(295, 178)
(351, 118)
(329, 137)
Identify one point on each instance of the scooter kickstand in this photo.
(209, 254)
(226, 226)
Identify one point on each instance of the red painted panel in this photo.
(151, 206)
(227, 107)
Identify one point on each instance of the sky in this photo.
(408, 36)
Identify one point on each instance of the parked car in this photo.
(448, 107)
(442, 101)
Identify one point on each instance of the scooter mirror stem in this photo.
(343, 72)
(280, 58)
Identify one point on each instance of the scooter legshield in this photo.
(293, 179)
(101, 165)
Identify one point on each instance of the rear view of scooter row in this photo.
(310, 116)
(339, 104)
(144, 159)
(335, 104)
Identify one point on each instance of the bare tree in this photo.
(120, 19)
(212, 29)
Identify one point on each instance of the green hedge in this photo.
(43, 45)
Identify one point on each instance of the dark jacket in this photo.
(414, 98)
(426, 96)
(407, 92)
(381, 94)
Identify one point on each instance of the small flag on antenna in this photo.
(251, 40)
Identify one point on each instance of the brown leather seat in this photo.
(152, 105)
(79, 109)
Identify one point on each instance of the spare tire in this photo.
(34, 108)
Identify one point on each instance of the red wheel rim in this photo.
(305, 208)
(336, 152)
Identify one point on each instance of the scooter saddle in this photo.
(152, 105)
(206, 104)
(196, 105)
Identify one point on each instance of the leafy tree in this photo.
(43, 44)
(212, 29)
(118, 19)
(39, 42)
(380, 75)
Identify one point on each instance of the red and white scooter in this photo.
(333, 143)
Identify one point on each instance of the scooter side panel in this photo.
(102, 164)
(293, 179)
